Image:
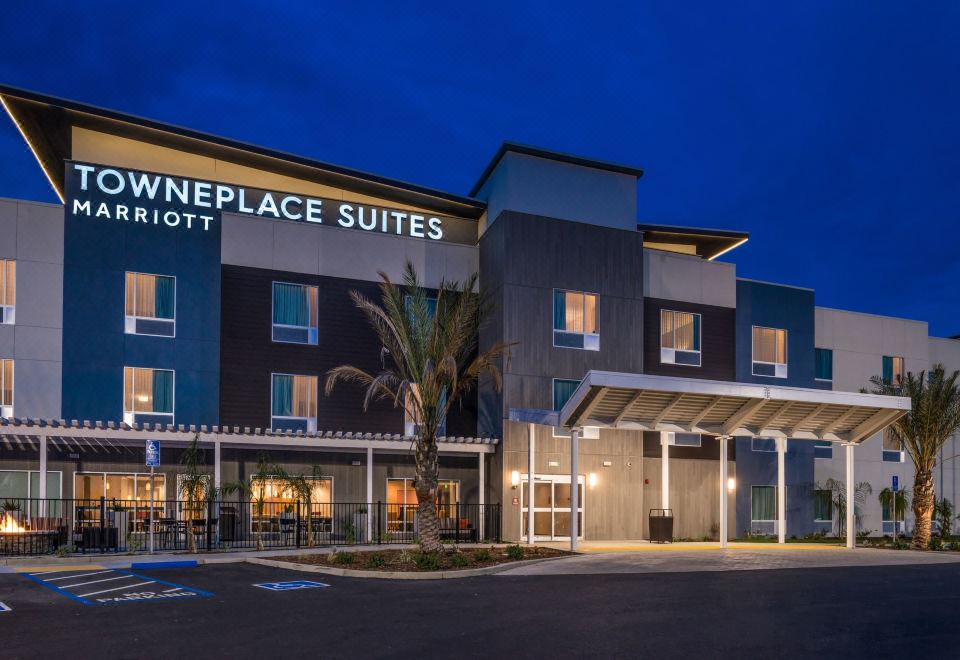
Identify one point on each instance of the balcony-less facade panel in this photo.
(717, 341)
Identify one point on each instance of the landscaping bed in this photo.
(414, 561)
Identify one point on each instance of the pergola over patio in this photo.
(688, 405)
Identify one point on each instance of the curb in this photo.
(400, 575)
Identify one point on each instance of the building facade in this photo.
(193, 281)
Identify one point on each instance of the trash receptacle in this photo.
(661, 525)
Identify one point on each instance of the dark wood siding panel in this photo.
(249, 356)
(718, 341)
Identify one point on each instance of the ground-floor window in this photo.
(763, 504)
(823, 506)
(17, 485)
(280, 499)
(127, 490)
(402, 502)
(551, 506)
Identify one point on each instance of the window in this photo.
(892, 448)
(763, 444)
(823, 449)
(280, 497)
(294, 313)
(402, 503)
(769, 352)
(130, 489)
(892, 370)
(294, 402)
(562, 391)
(431, 306)
(410, 424)
(823, 357)
(763, 501)
(8, 290)
(147, 395)
(679, 338)
(150, 305)
(575, 320)
(822, 506)
(6, 388)
(686, 439)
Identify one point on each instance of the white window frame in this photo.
(779, 370)
(753, 445)
(553, 509)
(311, 421)
(129, 416)
(822, 458)
(669, 355)
(410, 527)
(673, 440)
(313, 334)
(30, 474)
(8, 312)
(130, 320)
(820, 520)
(591, 340)
(7, 411)
(776, 504)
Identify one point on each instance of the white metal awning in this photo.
(690, 405)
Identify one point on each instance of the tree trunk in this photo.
(923, 497)
(427, 475)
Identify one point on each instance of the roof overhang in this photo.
(708, 243)
(690, 405)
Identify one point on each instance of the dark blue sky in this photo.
(828, 130)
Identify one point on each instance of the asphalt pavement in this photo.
(848, 612)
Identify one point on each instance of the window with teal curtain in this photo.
(164, 298)
(764, 502)
(824, 363)
(282, 396)
(887, 369)
(885, 511)
(162, 391)
(822, 505)
(696, 332)
(559, 310)
(291, 305)
(562, 391)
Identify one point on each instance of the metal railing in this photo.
(36, 527)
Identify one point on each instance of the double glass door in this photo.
(551, 507)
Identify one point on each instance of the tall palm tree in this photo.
(430, 358)
(933, 418)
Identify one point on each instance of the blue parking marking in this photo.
(149, 565)
(291, 585)
(112, 586)
(5, 608)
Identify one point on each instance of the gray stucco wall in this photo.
(32, 234)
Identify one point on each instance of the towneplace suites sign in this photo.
(113, 194)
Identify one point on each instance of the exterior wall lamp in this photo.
(731, 484)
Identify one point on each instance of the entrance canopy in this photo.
(690, 405)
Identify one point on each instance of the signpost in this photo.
(153, 461)
(896, 487)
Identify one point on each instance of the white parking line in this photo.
(179, 588)
(69, 577)
(80, 584)
(129, 586)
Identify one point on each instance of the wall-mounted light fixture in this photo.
(731, 484)
(592, 480)
(514, 478)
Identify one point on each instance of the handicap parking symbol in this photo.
(5, 608)
(291, 585)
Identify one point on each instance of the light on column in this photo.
(731, 484)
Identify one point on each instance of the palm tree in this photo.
(933, 418)
(896, 502)
(429, 359)
(838, 490)
(255, 489)
(194, 486)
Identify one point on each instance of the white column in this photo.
(574, 486)
(723, 491)
(43, 467)
(531, 470)
(851, 498)
(665, 470)
(217, 480)
(370, 494)
(781, 490)
(481, 477)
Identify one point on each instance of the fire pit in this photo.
(15, 539)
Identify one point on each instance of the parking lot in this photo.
(851, 611)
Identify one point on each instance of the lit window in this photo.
(294, 313)
(892, 448)
(823, 449)
(6, 388)
(575, 320)
(679, 338)
(892, 370)
(822, 506)
(402, 503)
(147, 395)
(769, 352)
(150, 305)
(8, 290)
(562, 391)
(294, 402)
(763, 500)
(823, 357)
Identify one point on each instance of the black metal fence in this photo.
(37, 527)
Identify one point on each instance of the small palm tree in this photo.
(255, 489)
(302, 488)
(194, 484)
(933, 418)
(838, 493)
(430, 358)
(895, 502)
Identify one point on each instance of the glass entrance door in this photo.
(551, 507)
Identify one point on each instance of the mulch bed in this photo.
(414, 561)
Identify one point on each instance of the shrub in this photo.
(935, 543)
(482, 555)
(515, 552)
(900, 544)
(377, 560)
(342, 558)
(459, 560)
(427, 561)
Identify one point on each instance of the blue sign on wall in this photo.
(896, 483)
(153, 453)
